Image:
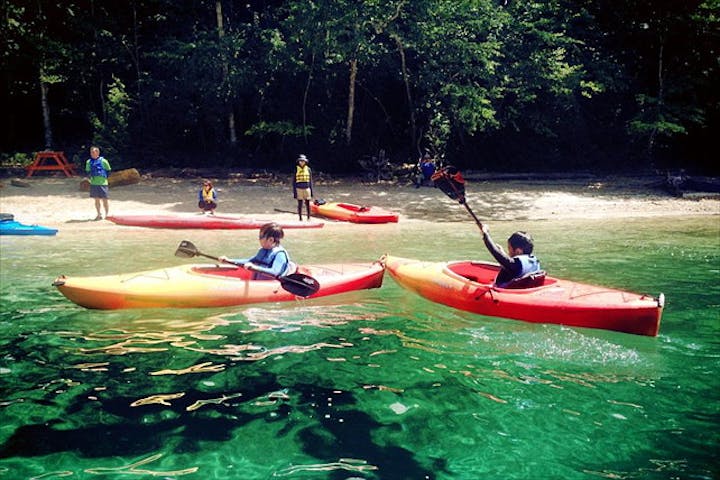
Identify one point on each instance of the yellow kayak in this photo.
(204, 285)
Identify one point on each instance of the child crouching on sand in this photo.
(207, 198)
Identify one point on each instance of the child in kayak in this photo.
(207, 198)
(519, 260)
(272, 260)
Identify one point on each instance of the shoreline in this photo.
(56, 201)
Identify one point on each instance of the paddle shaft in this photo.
(285, 211)
(278, 277)
(477, 220)
(217, 258)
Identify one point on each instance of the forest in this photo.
(488, 85)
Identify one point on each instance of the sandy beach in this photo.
(58, 201)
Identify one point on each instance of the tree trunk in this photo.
(45, 105)
(136, 59)
(660, 100)
(96, 74)
(351, 101)
(406, 80)
(305, 97)
(226, 72)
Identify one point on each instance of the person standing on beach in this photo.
(302, 185)
(99, 169)
(425, 170)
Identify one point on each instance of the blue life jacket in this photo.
(529, 264)
(96, 168)
(265, 258)
(427, 168)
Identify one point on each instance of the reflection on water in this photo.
(133, 469)
(348, 464)
(372, 384)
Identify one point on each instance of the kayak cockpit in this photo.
(479, 272)
(353, 207)
(223, 271)
(485, 273)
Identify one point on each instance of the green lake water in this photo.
(376, 384)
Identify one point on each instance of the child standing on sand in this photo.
(302, 185)
(99, 170)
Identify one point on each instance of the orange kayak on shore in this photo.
(468, 286)
(349, 212)
(207, 285)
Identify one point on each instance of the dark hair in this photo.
(523, 241)
(272, 230)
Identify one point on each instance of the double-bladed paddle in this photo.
(450, 181)
(296, 283)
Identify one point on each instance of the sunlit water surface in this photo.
(377, 384)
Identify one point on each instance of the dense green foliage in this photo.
(486, 84)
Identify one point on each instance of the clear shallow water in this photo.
(373, 384)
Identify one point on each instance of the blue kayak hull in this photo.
(16, 228)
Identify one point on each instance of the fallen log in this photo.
(129, 176)
(19, 183)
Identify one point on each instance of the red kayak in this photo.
(469, 286)
(349, 212)
(210, 222)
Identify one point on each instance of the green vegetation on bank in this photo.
(487, 84)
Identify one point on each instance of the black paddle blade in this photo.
(300, 284)
(186, 249)
(451, 182)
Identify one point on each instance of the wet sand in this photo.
(60, 203)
